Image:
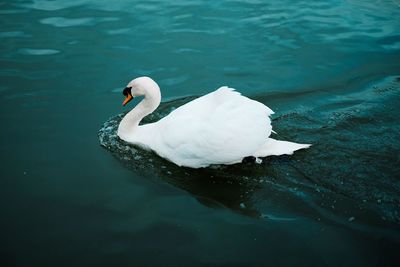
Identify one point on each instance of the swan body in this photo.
(222, 127)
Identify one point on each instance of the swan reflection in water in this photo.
(218, 186)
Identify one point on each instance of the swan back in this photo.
(219, 128)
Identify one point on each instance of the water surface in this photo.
(329, 69)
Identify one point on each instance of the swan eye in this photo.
(127, 91)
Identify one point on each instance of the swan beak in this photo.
(128, 98)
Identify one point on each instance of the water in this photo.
(329, 69)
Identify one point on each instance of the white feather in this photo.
(221, 127)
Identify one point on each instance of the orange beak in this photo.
(128, 98)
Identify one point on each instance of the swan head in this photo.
(141, 86)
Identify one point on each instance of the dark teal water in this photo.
(329, 69)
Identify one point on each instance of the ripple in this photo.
(391, 42)
(271, 16)
(187, 50)
(332, 179)
(175, 80)
(49, 5)
(32, 75)
(117, 90)
(71, 22)
(13, 34)
(210, 32)
(394, 46)
(183, 16)
(237, 72)
(12, 11)
(65, 22)
(38, 52)
(118, 31)
(326, 23)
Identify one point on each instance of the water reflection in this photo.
(218, 186)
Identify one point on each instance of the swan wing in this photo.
(221, 127)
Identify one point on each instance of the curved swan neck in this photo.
(128, 125)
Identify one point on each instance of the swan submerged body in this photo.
(222, 127)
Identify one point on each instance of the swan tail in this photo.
(276, 148)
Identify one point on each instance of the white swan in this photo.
(222, 127)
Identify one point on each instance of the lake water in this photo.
(329, 69)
